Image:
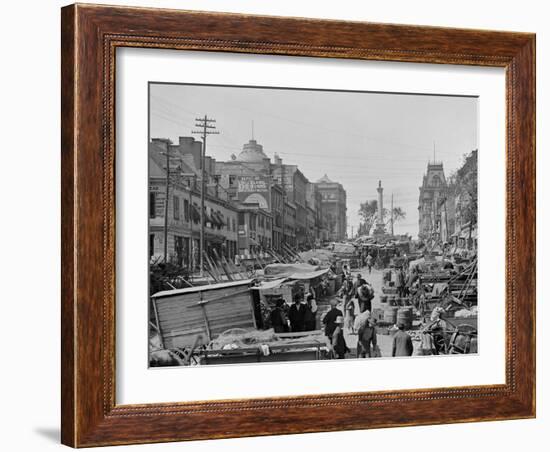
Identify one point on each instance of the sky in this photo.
(356, 138)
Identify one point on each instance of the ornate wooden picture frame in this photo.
(90, 37)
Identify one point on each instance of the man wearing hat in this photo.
(297, 314)
(338, 342)
(402, 343)
(278, 317)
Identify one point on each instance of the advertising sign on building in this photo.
(254, 189)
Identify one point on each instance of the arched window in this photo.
(436, 181)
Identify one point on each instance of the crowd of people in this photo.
(299, 317)
(350, 311)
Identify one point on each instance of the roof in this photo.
(252, 152)
(155, 170)
(169, 293)
(325, 179)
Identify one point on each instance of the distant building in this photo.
(334, 208)
(295, 204)
(317, 233)
(294, 184)
(435, 205)
(251, 177)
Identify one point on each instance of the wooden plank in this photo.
(177, 333)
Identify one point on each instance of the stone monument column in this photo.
(380, 191)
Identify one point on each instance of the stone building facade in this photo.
(334, 208)
(435, 205)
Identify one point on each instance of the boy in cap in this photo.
(330, 317)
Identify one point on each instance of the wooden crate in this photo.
(206, 311)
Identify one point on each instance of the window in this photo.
(241, 219)
(233, 222)
(186, 210)
(152, 204)
(176, 202)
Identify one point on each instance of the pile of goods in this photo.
(466, 313)
(240, 338)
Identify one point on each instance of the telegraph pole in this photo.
(392, 214)
(167, 193)
(207, 129)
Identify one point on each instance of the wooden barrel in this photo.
(390, 314)
(404, 316)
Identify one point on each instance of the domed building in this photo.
(252, 153)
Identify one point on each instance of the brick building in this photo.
(183, 219)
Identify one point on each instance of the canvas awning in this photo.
(294, 271)
(216, 218)
(195, 213)
(267, 285)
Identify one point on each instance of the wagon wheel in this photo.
(439, 342)
(467, 329)
(455, 349)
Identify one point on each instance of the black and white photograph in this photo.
(290, 224)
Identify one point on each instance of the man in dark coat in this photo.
(402, 343)
(278, 317)
(330, 318)
(297, 314)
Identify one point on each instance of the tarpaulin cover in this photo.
(309, 275)
(266, 285)
(343, 248)
(284, 270)
(320, 255)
